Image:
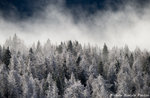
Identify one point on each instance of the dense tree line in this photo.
(71, 70)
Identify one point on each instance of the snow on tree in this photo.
(93, 68)
(14, 84)
(6, 57)
(50, 88)
(99, 88)
(71, 70)
(28, 86)
(124, 78)
(1, 53)
(74, 89)
(15, 44)
(105, 53)
(4, 82)
(70, 63)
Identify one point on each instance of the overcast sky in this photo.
(114, 23)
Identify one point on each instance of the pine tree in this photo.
(74, 89)
(70, 46)
(124, 78)
(69, 70)
(99, 88)
(0, 54)
(4, 84)
(7, 57)
(51, 89)
(15, 89)
(105, 53)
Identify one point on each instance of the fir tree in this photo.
(7, 57)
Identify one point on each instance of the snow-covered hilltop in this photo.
(70, 70)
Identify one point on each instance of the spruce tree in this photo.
(7, 57)
(105, 53)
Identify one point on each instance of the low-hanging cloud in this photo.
(130, 25)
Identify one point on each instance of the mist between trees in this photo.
(71, 70)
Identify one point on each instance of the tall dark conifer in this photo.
(7, 57)
(105, 53)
